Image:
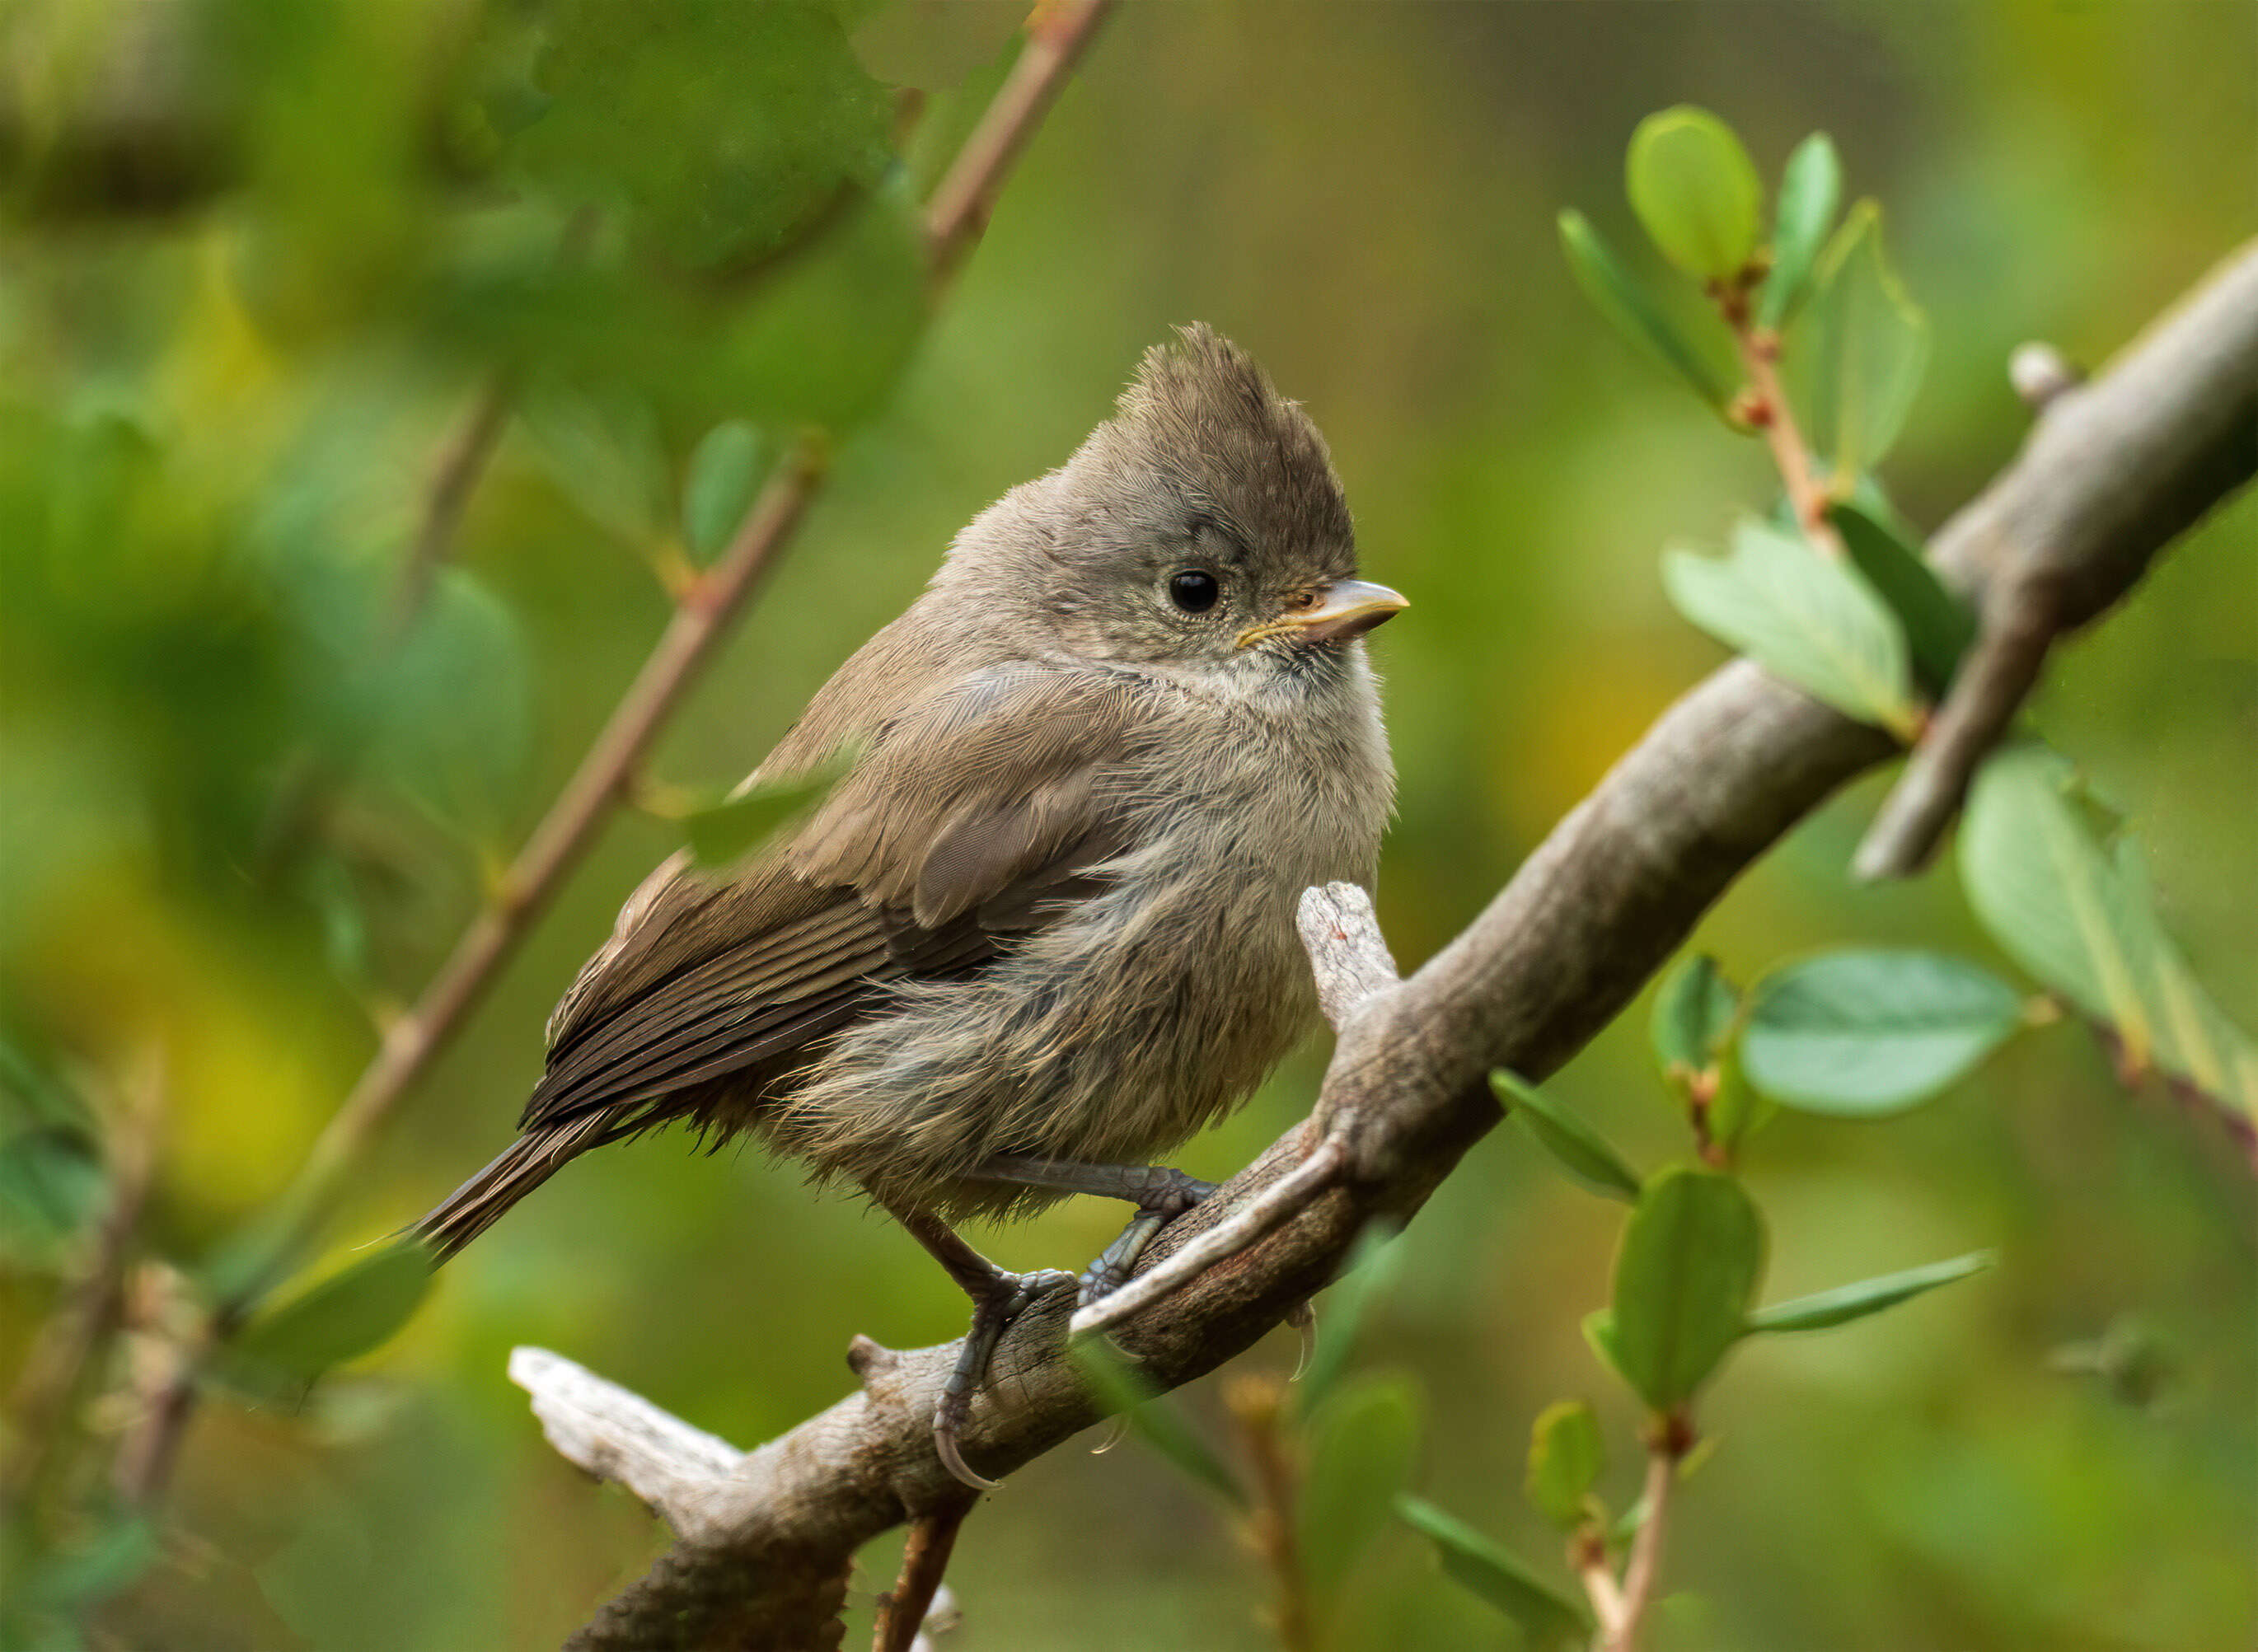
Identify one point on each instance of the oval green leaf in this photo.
(724, 476)
(1548, 1619)
(1694, 186)
(1810, 190)
(1823, 1309)
(1864, 347)
(1803, 617)
(1122, 1390)
(1861, 1034)
(346, 1316)
(1566, 1458)
(729, 829)
(1635, 313)
(1694, 1010)
(1372, 1268)
(2081, 917)
(51, 1185)
(1938, 626)
(1691, 1256)
(1361, 1444)
(1580, 1150)
(603, 453)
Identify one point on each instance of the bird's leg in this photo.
(1160, 1195)
(998, 1299)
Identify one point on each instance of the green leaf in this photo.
(860, 288)
(1803, 617)
(1938, 626)
(1847, 1302)
(1121, 1389)
(456, 713)
(1361, 1446)
(724, 478)
(1694, 186)
(51, 1186)
(1860, 1034)
(95, 1569)
(1694, 1010)
(1810, 190)
(603, 453)
(1581, 1151)
(1738, 1110)
(726, 830)
(347, 1314)
(1548, 1619)
(717, 131)
(1685, 1273)
(1598, 1328)
(1635, 313)
(32, 1093)
(1566, 1458)
(2081, 917)
(1864, 347)
(1371, 1269)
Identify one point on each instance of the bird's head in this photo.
(1201, 526)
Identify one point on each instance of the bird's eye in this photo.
(1193, 590)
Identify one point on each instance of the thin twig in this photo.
(1771, 412)
(1057, 36)
(1255, 1402)
(1673, 1439)
(74, 1337)
(925, 1557)
(1590, 1560)
(454, 476)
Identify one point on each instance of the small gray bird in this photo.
(1043, 931)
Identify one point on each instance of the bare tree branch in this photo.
(1601, 904)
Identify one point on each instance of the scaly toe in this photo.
(1015, 1293)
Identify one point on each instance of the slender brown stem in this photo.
(1058, 33)
(1673, 1438)
(1760, 357)
(1588, 1555)
(933, 1535)
(1256, 1403)
(74, 1337)
(454, 476)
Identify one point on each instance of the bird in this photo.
(1043, 930)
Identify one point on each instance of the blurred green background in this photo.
(239, 820)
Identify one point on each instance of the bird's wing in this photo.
(981, 814)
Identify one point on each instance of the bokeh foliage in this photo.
(246, 805)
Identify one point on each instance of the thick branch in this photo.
(1555, 955)
(2062, 561)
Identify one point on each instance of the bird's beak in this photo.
(1346, 608)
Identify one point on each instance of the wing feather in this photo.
(985, 811)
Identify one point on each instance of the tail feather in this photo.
(481, 1201)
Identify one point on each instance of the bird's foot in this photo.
(1168, 1197)
(996, 1302)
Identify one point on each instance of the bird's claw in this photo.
(1008, 1296)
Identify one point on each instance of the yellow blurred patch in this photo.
(250, 1071)
(1596, 711)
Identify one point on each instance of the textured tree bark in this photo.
(2114, 471)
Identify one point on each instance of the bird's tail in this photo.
(480, 1202)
